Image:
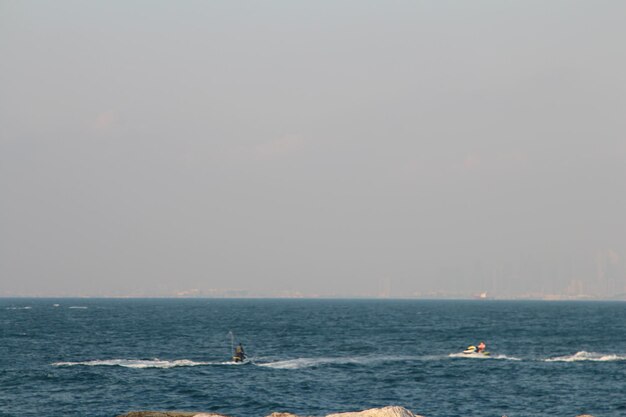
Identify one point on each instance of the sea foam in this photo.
(588, 356)
(299, 363)
(138, 363)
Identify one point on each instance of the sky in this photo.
(321, 148)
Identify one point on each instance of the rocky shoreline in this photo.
(391, 411)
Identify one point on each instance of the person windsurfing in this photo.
(240, 354)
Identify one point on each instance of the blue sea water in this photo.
(103, 357)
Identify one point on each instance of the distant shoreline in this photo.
(79, 297)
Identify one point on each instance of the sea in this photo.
(105, 357)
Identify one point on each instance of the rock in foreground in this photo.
(392, 411)
(159, 414)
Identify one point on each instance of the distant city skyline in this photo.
(332, 149)
(559, 281)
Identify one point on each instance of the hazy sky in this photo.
(327, 147)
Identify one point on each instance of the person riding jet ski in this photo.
(476, 350)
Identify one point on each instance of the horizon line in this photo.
(7, 297)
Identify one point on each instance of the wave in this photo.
(140, 363)
(79, 307)
(19, 308)
(588, 356)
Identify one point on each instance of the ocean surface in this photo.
(103, 357)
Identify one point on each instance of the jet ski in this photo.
(473, 350)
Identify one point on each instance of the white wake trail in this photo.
(300, 363)
(137, 363)
(588, 356)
